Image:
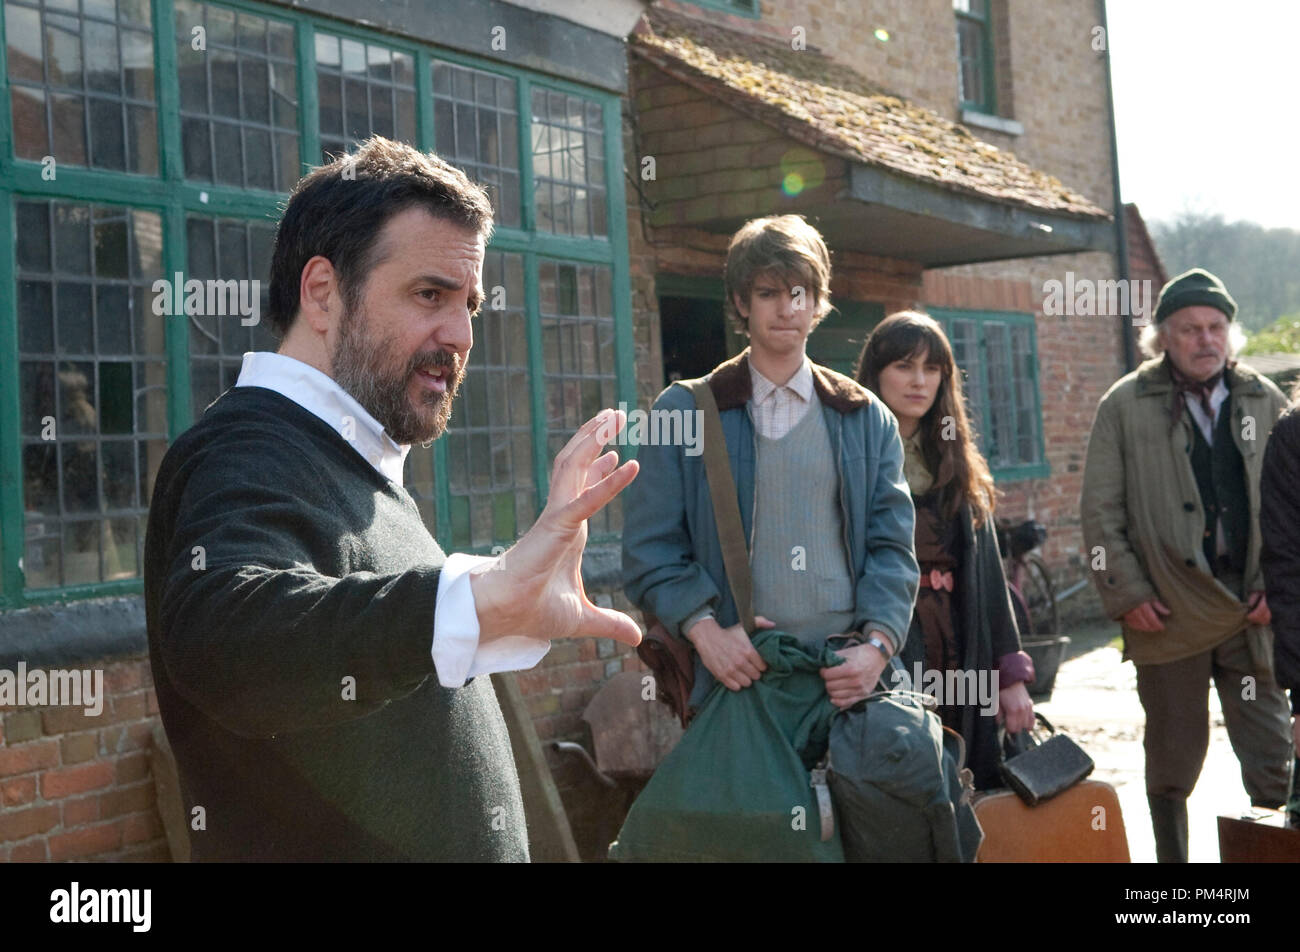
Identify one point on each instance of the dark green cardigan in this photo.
(313, 569)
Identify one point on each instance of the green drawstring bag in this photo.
(736, 787)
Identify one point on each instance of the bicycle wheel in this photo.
(1040, 596)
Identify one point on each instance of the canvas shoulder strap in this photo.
(726, 510)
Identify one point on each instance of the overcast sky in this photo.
(1207, 107)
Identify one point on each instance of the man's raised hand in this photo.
(535, 587)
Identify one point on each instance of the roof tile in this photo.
(826, 105)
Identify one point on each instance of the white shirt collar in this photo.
(320, 395)
(800, 384)
(1217, 396)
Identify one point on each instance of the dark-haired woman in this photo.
(963, 621)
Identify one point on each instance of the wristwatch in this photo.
(879, 644)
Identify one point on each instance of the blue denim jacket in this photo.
(672, 559)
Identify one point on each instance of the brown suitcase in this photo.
(1082, 825)
(1261, 836)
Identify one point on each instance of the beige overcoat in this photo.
(1142, 517)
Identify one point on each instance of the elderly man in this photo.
(1171, 519)
(315, 653)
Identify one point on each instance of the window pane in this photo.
(227, 255)
(34, 225)
(574, 304)
(28, 108)
(107, 145)
(965, 349)
(103, 65)
(972, 65)
(23, 41)
(476, 128)
(239, 98)
(87, 353)
(68, 122)
(360, 94)
(1025, 394)
(75, 81)
(137, 62)
(489, 448)
(63, 39)
(568, 156)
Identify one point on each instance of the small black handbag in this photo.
(1038, 771)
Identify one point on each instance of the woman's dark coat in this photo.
(982, 608)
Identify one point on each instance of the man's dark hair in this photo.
(338, 211)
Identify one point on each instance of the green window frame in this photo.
(998, 354)
(976, 87)
(509, 341)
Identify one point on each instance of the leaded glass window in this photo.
(82, 83)
(568, 164)
(578, 355)
(93, 385)
(476, 125)
(363, 89)
(239, 97)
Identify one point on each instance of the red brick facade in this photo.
(74, 786)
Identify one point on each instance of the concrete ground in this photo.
(1095, 700)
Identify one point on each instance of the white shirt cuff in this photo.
(457, 656)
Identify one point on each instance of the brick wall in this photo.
(1078, 358)
(74, 786)
(711, 162)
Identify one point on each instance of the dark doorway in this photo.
(694, 336)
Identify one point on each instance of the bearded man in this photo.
(298, 608)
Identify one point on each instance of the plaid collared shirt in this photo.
(777, 408)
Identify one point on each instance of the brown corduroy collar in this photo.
(732, 386)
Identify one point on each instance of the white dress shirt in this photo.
(457, 655)
(1206, 424)
(777, 407)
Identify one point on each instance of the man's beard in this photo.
(362, 365)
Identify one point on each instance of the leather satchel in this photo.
(670, 658)
(1041, 770)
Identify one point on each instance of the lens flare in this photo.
(801, 169)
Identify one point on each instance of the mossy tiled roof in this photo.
(829, 107)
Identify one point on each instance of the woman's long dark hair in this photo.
(961, 473)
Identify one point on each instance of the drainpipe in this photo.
(1121, 221)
